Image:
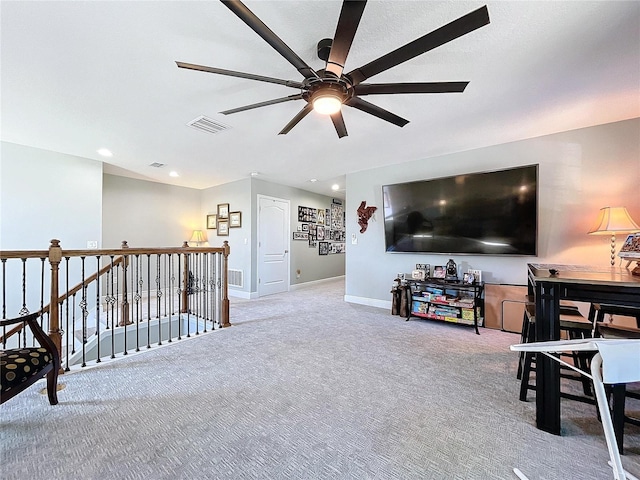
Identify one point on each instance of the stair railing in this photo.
(190, 296)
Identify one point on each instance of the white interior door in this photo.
(273, 245)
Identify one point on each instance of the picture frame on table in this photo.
(469, 278)
(212, 221)
(223, 228)
(235, 219)
(223, 211)
(439, 271)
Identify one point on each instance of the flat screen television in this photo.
(488, 213)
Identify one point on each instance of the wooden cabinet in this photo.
(447, 300)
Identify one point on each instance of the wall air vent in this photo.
(156, 165)
(235, 279)
(207, 125)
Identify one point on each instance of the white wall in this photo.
(46, 195)
(580, 172)
(148, 214)
(241, 240)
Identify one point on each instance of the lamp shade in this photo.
(197, 237)
(614, 220)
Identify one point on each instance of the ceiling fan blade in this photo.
(233, 73)
(376, 111)
(338, 122)
(248, 17)
(294, 121)
(422, 87)
(442, 35)
(350, 16)
(299, 96)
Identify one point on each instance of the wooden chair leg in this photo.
(52, 386)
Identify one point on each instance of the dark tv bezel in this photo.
(536, 166)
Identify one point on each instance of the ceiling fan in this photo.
(327, 90)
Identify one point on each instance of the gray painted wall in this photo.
(580, 172)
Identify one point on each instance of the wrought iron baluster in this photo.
(124, 310)
(170, 280)
(137, 297)
(179, 292)
(83, 310)
(148, 300)
(111, 308)
(98, 312)
(158, 299)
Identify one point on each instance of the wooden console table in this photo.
(613, 285)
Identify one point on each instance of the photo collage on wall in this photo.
(323, 228)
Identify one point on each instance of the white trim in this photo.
(371, 302)
(239, 294)
(298, 286)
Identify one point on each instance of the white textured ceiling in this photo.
(80, 75)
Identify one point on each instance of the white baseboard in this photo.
(371, 302)
(314, 282)
(241, 294)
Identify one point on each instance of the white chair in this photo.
(616, 361)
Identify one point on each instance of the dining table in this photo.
(550, 283)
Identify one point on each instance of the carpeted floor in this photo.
(305, 386)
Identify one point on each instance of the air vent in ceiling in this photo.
(156, 165)
(207, 125)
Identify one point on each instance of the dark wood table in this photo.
(613, 285)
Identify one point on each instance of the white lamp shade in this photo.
(614, 220)
(197, 237)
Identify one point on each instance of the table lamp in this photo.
(614, 220)
(197, 237)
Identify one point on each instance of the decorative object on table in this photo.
(418, 274)
(212, 221)
(197, 237)
(439, 271)
(614, 220)
(223, 227)
(223, 211)
(424, 266)
(468, 278)
(630, 251)
(477, 274)
(235, 219)
(364, 214)
(451, 270)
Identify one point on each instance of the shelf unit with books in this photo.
(447, 300)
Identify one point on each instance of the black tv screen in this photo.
(489, 213)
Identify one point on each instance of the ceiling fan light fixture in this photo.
(327, 103)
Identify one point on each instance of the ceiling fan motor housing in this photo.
(324, 48)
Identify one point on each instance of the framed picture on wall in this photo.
(235, 219)
(212, 221)
(223, 228)
(223, 211)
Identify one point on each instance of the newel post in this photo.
(124, 311)
(185, 281)
(55, 257)
(225, 286)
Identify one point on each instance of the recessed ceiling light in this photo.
(173, 173)
(313, 180)
(105, 152)
(335, 186)
(254, 174)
